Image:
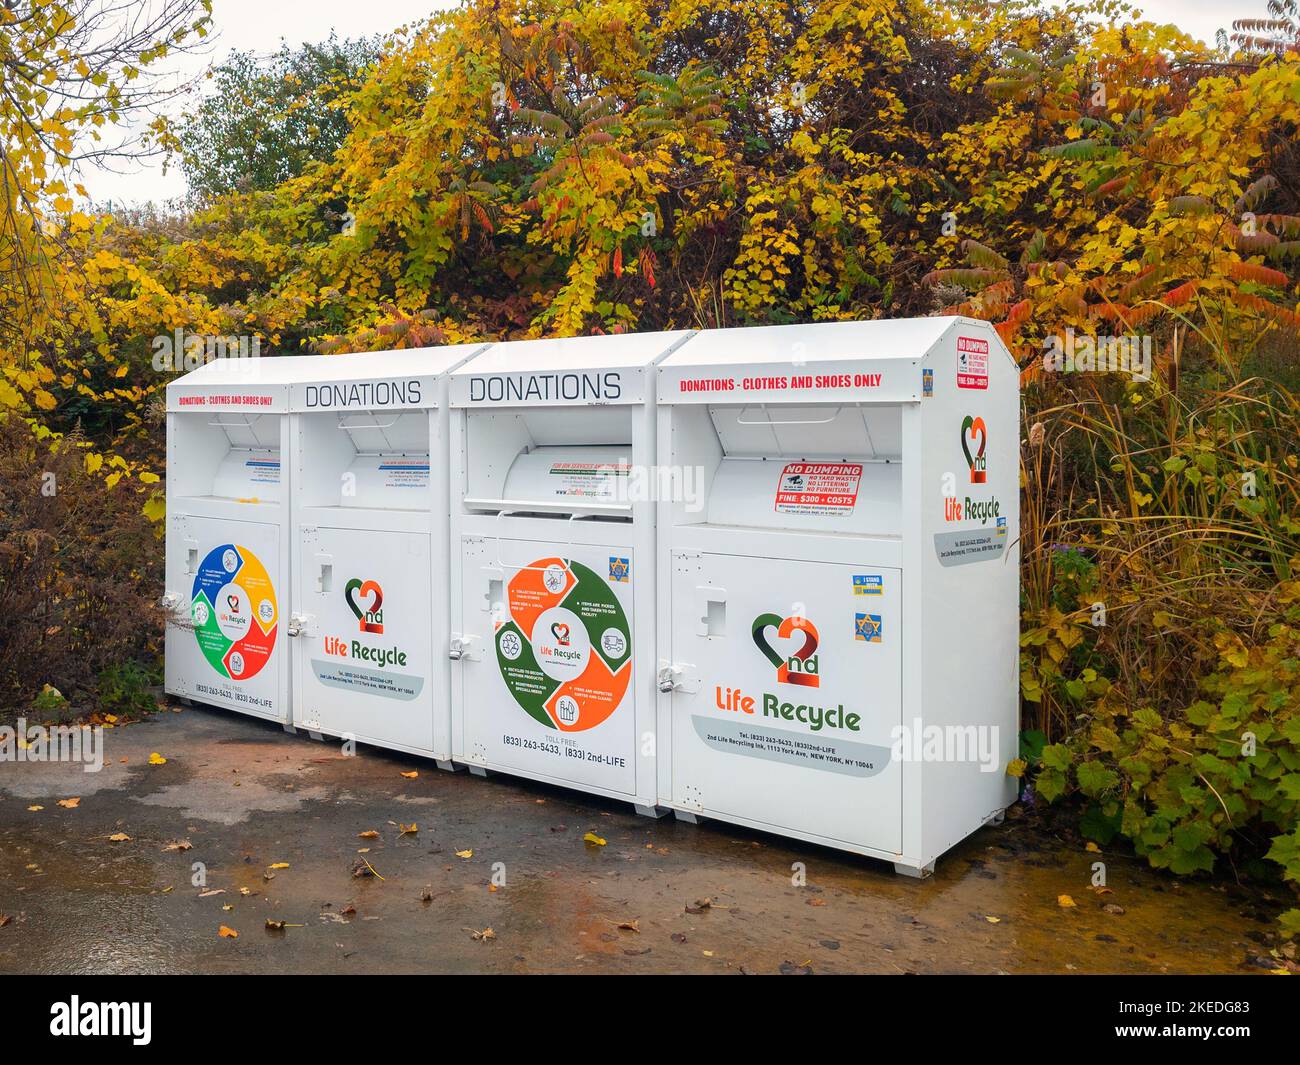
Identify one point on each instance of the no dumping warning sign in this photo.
(818, 488)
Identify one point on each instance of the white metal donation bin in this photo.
(370, 616)
(553, 567)
(838, 615)
(227, 552)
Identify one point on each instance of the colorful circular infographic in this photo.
(234, 611)
(565, 648)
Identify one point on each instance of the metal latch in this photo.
(464, 648)
(297, 623)
(677, 677)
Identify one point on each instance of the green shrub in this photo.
(1220, 778)
(123, 690)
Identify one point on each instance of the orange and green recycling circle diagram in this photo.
(565, 648)
(234, 611)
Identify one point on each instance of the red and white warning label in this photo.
(827, 488)
(972, 363)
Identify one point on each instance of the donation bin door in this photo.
(788, 692)
(228, 573)
(548, 687)
(363, 656)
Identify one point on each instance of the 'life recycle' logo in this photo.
(370, 618)
(971, 430)
(799, 667)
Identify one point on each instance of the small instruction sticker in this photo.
(868, 584)
(619, 569)
(819, 488)
(927, 383)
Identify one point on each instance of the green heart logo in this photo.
(372, 589)
(785, 628)
(975, 428)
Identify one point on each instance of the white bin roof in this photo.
(556, 371)
(873, 362)
(377, 380)
(253, 385)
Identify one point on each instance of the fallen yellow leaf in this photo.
(464, 854)
(368, 834)
(228, 933)
(993, 920)
(279, 865)
(35, 809)
(1092, 848)
(157, 759)
(120, 837)
(1065, 901)
(591, 837)
(408, 830)
(412, 774)
(70, 804)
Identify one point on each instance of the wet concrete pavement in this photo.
(698, 899)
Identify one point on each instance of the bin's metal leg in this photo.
(687, 816)
(919, 872)
(651, 811)
(447, 764)
(478, 770)
(996, 818)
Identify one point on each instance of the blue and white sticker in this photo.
(868, 584)
(927, 383)
(867, 627)
(1002, 526)
(620, 569)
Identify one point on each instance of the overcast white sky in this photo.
(261, 25)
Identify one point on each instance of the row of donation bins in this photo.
(764, 575)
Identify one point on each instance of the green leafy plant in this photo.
(1221, 778)
(123, 690)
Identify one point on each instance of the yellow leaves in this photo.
(155, 509)
(157, 759)
(70, 804)
(465, 854)
(593, 839)
(44, 400)
(1065, 902)
(119, 837)
(412, 774)
(149, 478)
(278, 865)
(227, 933)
